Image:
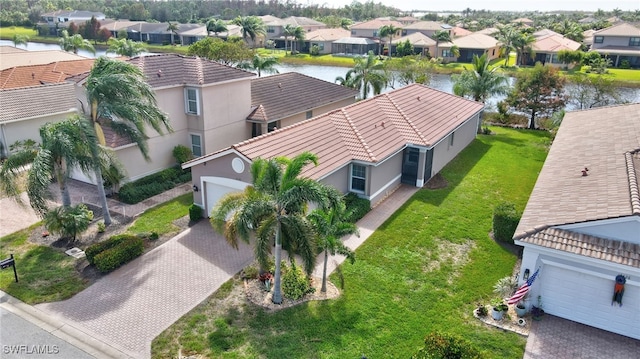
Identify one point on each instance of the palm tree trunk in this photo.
(277, 290)
(103, 197)
(324, 272)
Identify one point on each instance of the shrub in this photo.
(438, 345)
(624, 64)
(95, 249)
(149, 186)
(314, 50)
(195, 212)
(295, 283)
(356, 207)
(101, 227)
(505, 221)
(182, 154)
(114, 257)
(250, 272)
(69, 222)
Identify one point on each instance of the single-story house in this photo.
(491, 31)
(369, 148)
(546, 48)
(477, 44)
(422, 44)
(354, 46)
(581, 225)
(324, 38)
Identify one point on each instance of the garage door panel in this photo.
(216, 188)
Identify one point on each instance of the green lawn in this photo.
(159, 219)
(424, 269)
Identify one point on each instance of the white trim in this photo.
(191, 134)
(384, 188)
(214, 156)
(420, 182)
(223, 181)
(187, 100)
(351, 189)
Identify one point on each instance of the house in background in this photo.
(546, 48)
(427, 28)
(581, 225)
(354, 46)
(14, 57)
(422, 44)
(621, 43)
(370, 29)
(324, 39)
(369, 148)
(284, 99)
(475, 44)
(524, 21)
(275, 27)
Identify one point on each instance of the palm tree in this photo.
(388, 31)
(507, 36)
(273, 208)
(367, 73)
(251, 27)
(570, 30)
(330, 226)
(216, 26)
(298, 36)
(440, 36)
(524, 45)
(120, 98)
(288, 30)
(173, 27)
(346, 23)
(18, 39)
(126, 47)
(66, 145)
(348, 80)
(260, 64)
(74, 43)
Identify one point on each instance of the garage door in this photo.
(216, 187)
(585, 297)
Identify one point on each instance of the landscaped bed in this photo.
(424, 269)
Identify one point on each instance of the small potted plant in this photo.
(481, 311)
(498, 309)
(521, 309)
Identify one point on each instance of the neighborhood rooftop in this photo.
(25, 76)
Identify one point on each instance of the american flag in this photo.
(524, 289)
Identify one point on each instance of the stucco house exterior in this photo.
(581, 225)
(476, 44)
(370, 147)
(620, 43)
(324, 38)
(422, 44)
(547, 46)
(428, 28)
(370, 29)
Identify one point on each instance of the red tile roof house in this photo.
(583, 230)
(370, 147)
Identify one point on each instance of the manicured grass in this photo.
(6, 33)
(159, 219)
(424, 269)
(45, 274)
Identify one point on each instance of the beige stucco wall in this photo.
(443, 153)
(612, 41)
(339, 179)
(363, 32)
(385, 177)
(287, 121)
(27, 129)
(219, 167)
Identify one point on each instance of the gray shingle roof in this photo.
(19, 103)
(287, 94)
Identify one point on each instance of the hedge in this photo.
(441, 345)
(93, 250)
(149, 186)
(195, 212)
(505, 221)
(357, 207)
(124, 252)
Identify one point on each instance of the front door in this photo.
(410, 160)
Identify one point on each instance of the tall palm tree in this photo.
(507, 36)
(524, 46)
(298, 37)
(388, 31)
(120, 98)
(216, 26)
(66, 145)
(126, 47)
(173, 27)
(273, 208)
(288, 31)
(330, 226)
(346, 23)
(570, 30)
(368, 73)
(18, 39)
(440, 36)
(251, 27)
(348, 80)
(74, 43)
(260, 64)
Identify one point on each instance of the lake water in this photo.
(329, 73)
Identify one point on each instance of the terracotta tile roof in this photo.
(416, 39)
(622, 29)
(459, 31)
(545, 32)
(327, 34)
(114, 140)
(171, 70)
(554, 43)
(610, 250)
(300, 21)
(291, 93)
(24, 76)
(428, 25)
(375, 24)
(491, 31)
(606, 141)
(18, 103)
(369, 130)
(30, 58)
(475, 41)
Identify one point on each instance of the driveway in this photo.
(558, 338)
(131, 306)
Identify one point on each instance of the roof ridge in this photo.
(409, 122)
(12, 70)
(365, 146)
(633, 181)
(199, 70)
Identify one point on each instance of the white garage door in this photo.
(216, 187)
(586, 298)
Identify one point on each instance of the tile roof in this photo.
(459, 31)
(611, 250)
(427, 25)
(375, 24)
(622, 29)
(605, 140)
(11, 50)
(13, 59)
(355, 41)
(370, 130)
(327, 34)
(475, 41)
(300, 21)
(18, 103)
(287, 94)
(416, 39)
(117, 25)
(24, 76)
(544, 32)
(177, 70)
(491, 31)
(554, 43)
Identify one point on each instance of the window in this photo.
(634, 41)
(271, 29)
(358, 178)
(309, 114)
(272, 126)
(598, 39)
(256, 129)
(319, 44)
(196, 145)
(375, 33)
(447, 53)
(191, 103)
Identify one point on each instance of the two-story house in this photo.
(621, 43)
(275, 27)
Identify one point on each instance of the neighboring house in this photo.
(546, 48)
(371, 28)
(275, 27)
(491, 31)
(422, 44)
(587, 38)
(284, 99)
(369, 148)
(36, 75)
(582, 229)
(458, 31)
(407, 20)
(13, 57)
(428, 28)
(76, 16)
(324, 39)
(544, 32)
(476, 44)
(157, 33)
(524, 21)
(620, 43)
(354, 46)
(114, 26)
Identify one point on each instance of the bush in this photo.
(69, 222)
(356, 207)
(195, 212)
(505, 221)
(95, 249)
(314, 50)
(439, 345)
(149, 186)
(182, 154)
(114, 257)
(295, 283)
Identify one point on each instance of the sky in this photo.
(507, 5)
